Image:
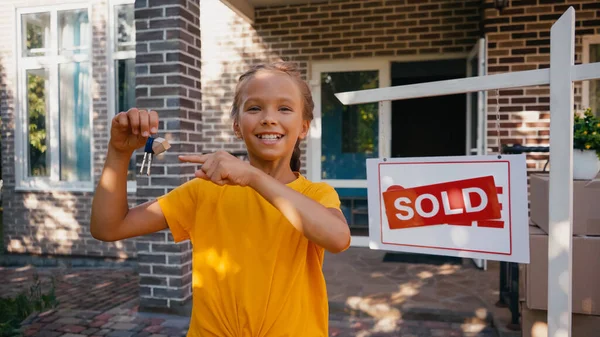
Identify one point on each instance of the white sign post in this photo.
(560, 77)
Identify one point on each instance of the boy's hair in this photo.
(308, 104)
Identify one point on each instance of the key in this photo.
(153, 146)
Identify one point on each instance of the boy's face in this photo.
(270, 119)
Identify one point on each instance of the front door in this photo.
(343, 137)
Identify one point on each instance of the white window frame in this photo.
(51, 62)
(111, 57)
(587, 40)
(314, 138)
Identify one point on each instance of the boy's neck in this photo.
(278, 170)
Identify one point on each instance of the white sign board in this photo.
(471, 206)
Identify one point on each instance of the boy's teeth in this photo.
(269, 136)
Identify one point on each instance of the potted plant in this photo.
(586, 143)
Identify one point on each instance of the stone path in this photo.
(368, 298)
(122, 321)
(96, 289)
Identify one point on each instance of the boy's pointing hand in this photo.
(221, 168)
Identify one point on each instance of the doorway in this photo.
(429, 126)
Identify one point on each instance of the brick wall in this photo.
(52, 222)
(316, 32)
(519, 39)
(168, 81)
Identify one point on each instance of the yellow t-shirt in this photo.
(253, 273)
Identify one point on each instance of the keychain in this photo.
(153, 146)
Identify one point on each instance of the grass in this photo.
(14, 310)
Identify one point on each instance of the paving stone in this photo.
(68, 313)
(69, 320)
(102, 332)
(48, 333)
(120, 333)
(170, 331)
(51, 326)
(156, 321)
(89, 331)
(121, 318)
(123, 326)
(107, 325)
(139, 327)
(153, 328)
(178, 324)
(50, 318)
(87, 314)
(72, 328)
(103, 317)
(30, 332)
(96, 324)
(142, 334)
(73, 335)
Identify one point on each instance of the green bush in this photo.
(586, 132)
(14, 310)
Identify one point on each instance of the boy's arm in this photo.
(111, 219)
(324, 226)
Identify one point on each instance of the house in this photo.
(68, 66)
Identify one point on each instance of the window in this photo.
(344, 152)
(122, 66)
(342, 137)
(54, 106)
(591, 89)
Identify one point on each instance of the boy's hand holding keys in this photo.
(130, 130)
(133, 129)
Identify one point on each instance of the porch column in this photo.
(167, 81)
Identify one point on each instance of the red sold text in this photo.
(455, 203)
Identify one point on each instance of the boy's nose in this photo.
(268, 119)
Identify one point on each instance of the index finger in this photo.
(194, 159)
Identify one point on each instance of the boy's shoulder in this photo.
(308, 186)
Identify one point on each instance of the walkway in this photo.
(368, 298)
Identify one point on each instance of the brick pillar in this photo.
(167, 81)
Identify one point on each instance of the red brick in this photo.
(98, 323)
(72, 328)
(30, 332)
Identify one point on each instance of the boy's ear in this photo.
(305, 128)
(236, 130)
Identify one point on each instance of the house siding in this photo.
(518, 40)
(52, 222)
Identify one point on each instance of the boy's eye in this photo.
(285, 108)
(253, 108)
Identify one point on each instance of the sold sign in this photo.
(458, 202)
